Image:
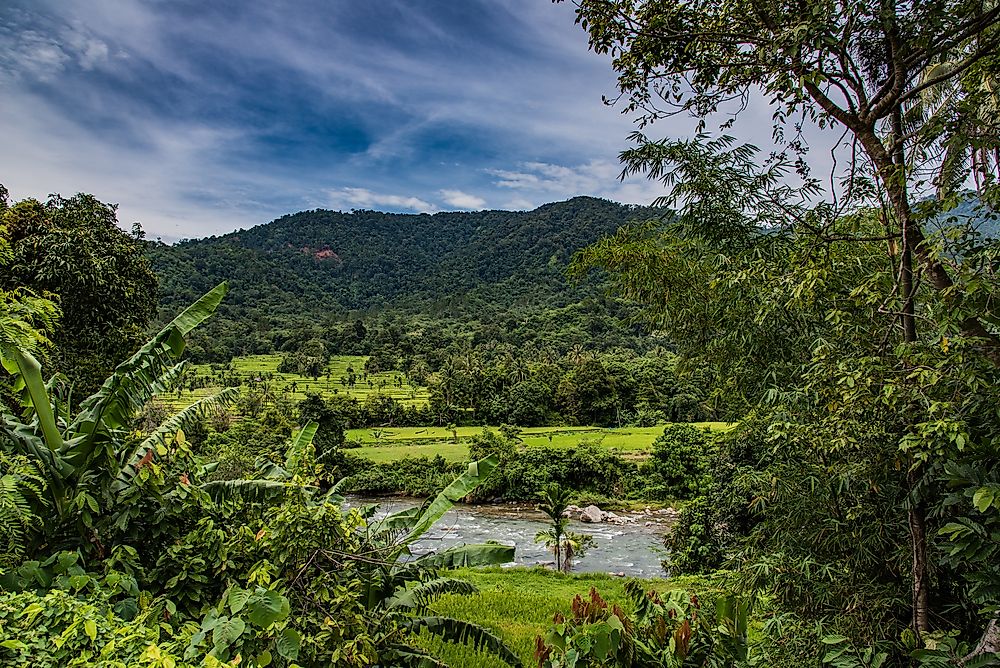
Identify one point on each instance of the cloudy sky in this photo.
(202, 117)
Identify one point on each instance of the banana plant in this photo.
(89, 458)
(273, 481)
(402, 587)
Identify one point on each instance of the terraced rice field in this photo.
(265, 368)
(390, 444)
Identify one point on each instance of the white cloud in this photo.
(152, 184)
(34, 56)
(518, 204)
(540, 182)
(529, 107)
(343, 198)
(462, 200)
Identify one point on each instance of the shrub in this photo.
(413, 476)
(680, 463)
(58, 629)
(693, 543)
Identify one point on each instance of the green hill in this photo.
(498, 270)
(363, 260)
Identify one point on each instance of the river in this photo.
(633, 550)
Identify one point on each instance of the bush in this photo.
(58, 629)
(679, 467)
(412, 476)
(693, 543)
(587, 468)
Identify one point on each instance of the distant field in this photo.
(258, 366)
(391, 444)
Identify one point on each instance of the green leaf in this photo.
(237, 599)
(254, 491)
(90, 628)
(459, 488)
(265, 607)
(299, 444)
(419, 597)
(288, 644)
(602, 643)
(31, 375)
(983, 499)
(227, 631)
(137, 380)
(488, 554)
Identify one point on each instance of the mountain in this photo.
(327, 261)
(312, 266)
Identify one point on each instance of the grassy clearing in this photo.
(453, 452)
(391, 444)
(295, 386)
(518, 605)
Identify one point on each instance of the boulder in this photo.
(592, 514)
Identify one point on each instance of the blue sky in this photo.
(202, 117)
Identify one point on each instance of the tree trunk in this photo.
(988, 644)
(918, 571)
(914, 236)
(891, 171)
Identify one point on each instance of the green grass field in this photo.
(390, 444)
(260, 366)
(518, 605)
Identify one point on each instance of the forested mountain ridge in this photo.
(329, 262)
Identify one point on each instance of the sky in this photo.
(198, 118)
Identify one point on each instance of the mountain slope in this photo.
(330, 262)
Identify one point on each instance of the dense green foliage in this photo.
(475, 386)
(675, 629)
(73, 252)
(127, 548)
(679, 465)
(851, 518)
(858, 332)
(480, 276)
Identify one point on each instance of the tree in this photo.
(906, 82)
(554, 501)
(586, 395)
(73, 250)
(334, 416)
(865, 67)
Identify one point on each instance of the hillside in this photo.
(326, 261)
(322, 266)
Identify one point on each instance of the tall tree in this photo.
(906, 83)
(73, 250)
(901, 79)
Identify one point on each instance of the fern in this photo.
(21, 489)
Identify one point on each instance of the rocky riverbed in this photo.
(625, 543)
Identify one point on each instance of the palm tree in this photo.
(554, 501)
